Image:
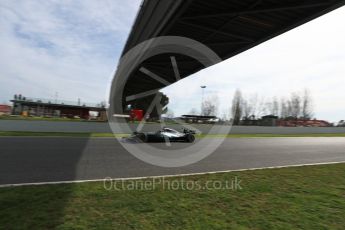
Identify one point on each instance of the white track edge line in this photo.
(171, 175)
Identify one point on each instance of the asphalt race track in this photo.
(47, 159)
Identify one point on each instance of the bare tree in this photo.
(225, 115)
(169, 114)
(255, 106)
(250, 106)
(237, 106)
(289, 108)
(284, 111)
(307, 107)
(260, 109)
(210, 106)
(275, 109)
(268, 108)
(193, 111)
(247, 108)
(272, 107)
(295, 103)
(297, 106)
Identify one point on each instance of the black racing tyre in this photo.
(190, 138)
(143, 137)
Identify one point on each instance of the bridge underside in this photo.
(228, 27)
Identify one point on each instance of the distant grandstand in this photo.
(27, 106)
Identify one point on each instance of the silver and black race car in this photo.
(164, 135)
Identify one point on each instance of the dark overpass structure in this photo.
(228, 27)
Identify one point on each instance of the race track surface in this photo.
(47, 159)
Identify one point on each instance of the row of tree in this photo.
(298, 105)
(209, 107)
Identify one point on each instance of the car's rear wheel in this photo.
(190, 138)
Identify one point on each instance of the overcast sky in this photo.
(72, 47)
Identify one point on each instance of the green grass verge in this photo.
(309, 197)
(72, 134)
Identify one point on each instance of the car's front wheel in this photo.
(190, 138)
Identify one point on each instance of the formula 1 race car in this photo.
(165, 135)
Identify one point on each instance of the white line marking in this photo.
(172, 175)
